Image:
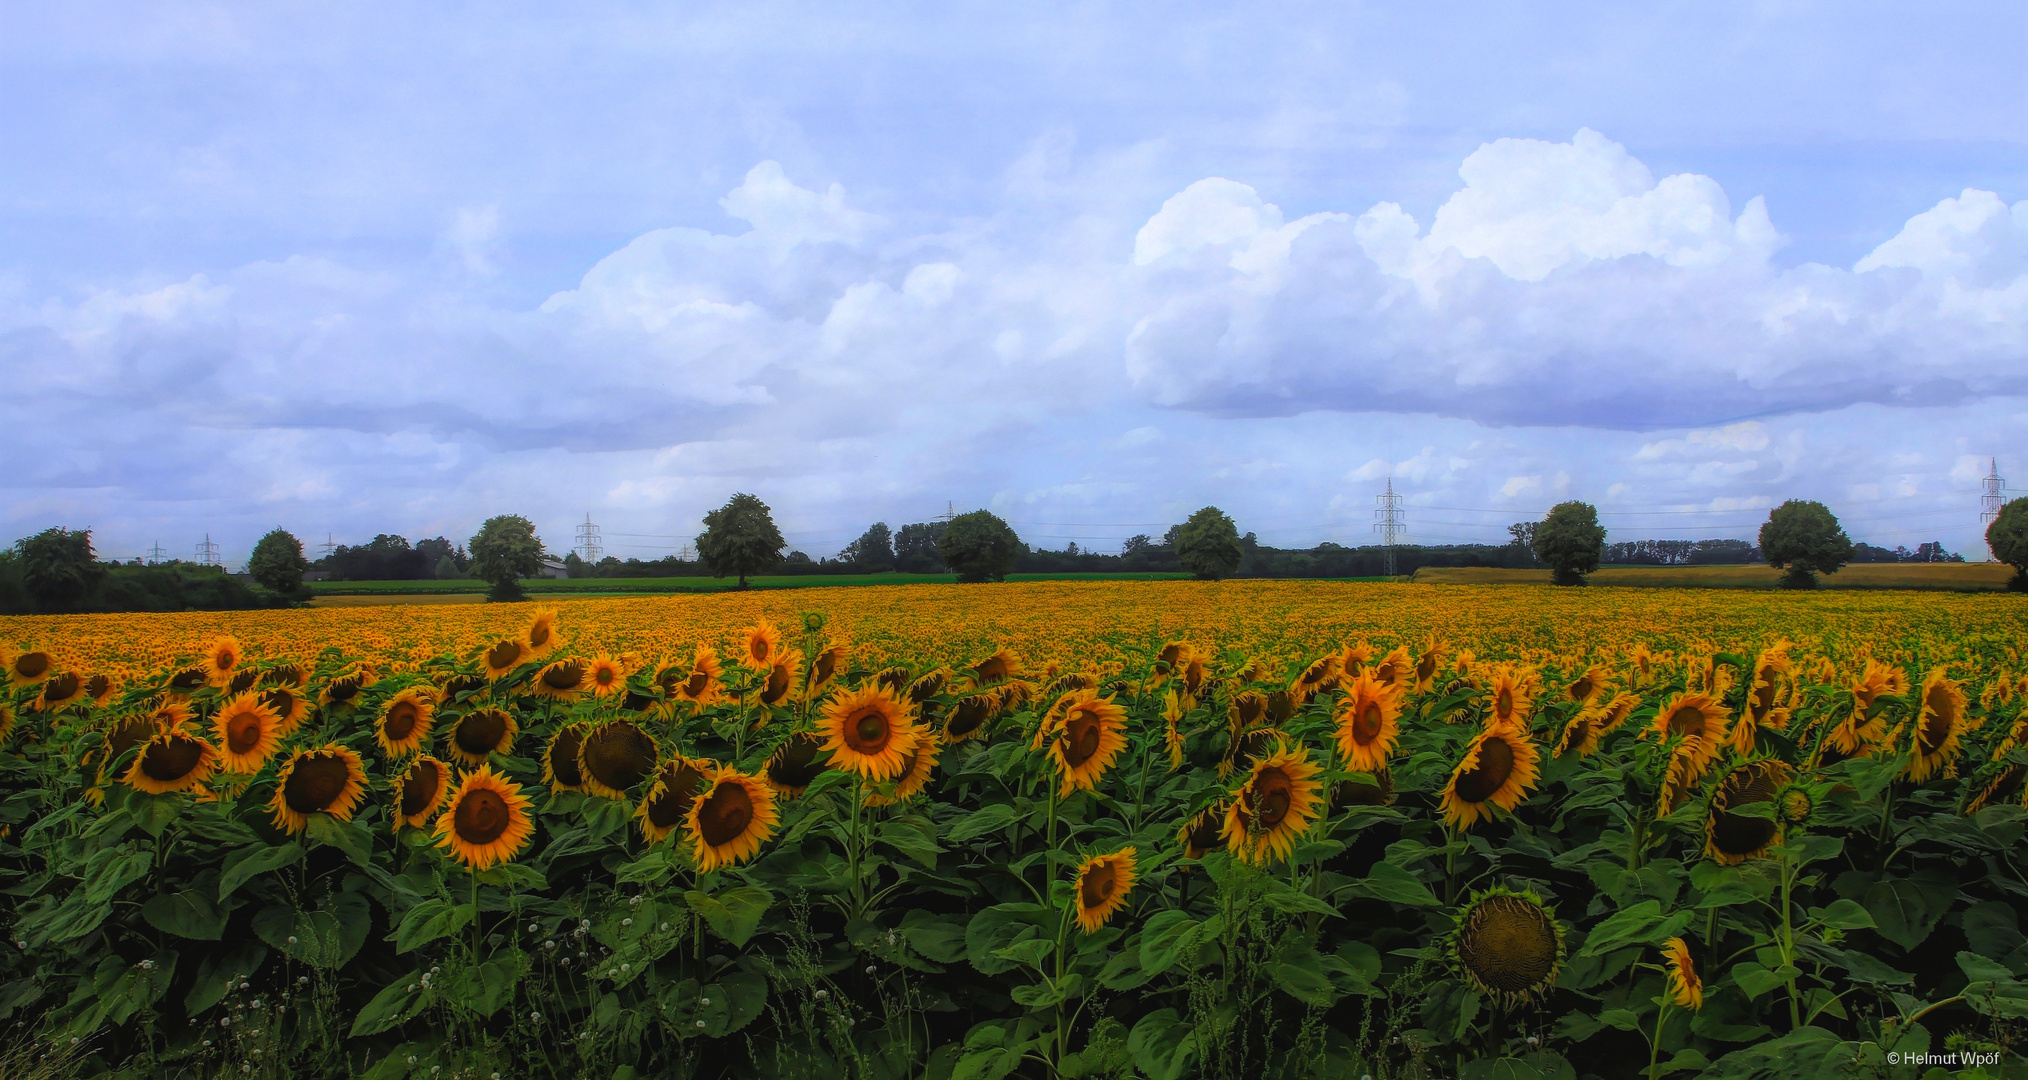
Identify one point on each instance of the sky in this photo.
(358, 268)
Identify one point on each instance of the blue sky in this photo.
(361, 268)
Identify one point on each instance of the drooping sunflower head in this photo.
(999, 667)
(59, 690)
(1203, 833)
(540, 638)
(291, 709)
(1429, 663)
(327, 780)
(1174, 653)
(1764, 696)
(915, 775)
(1089, 739)
(503, 656)
(481, 733)
(970, 716)
(795, 763)
(404, 722)
(99, 688)
(1939, 728)
(171, 761)
(730, 820)
(1510, 699)
(1508, 946)
(1368, 724)
(1686, 989)
(829, 663)
(1314, 678)
(1991, 784)
(487, 820)
(30, 667)
(616, 755)
(701, 685)
(922, 689)
(782, 672)
(1685, 770)
(1496, 772)
(344, 688)
(758, 644)
(1696, 716)
(1276, 805)
(420, 791)
(220, 656)
(1395, 670)
(1580, 734)
(288, 676)
(559, 760)
(186, 681)
(1101, 887)
(1876, 681)
(1588, 685)
(1374, 789)
(868, 731)
(1243, 748)
(1245, 709)
(1731, 837)
(1352, 658)
(560, 680)
(249, 731)
(241, 681)
(1615, 712)
(667, 804)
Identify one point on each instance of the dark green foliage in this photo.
(915, 548)
(979, 547)
(2008, 537)
(739, 538)
(1569, 541)
(58, 571)
(1803, 538)
(277, 564)
(873, 551)
(1208, 544)
(504, 551)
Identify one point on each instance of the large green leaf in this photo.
(1642, 924)
(981, 822)
(429, 920)
(399, 1001)
(1907, 909)
(1163, 1045)
(248, 863)
(189, 913)
(999, 926)
(733, 914)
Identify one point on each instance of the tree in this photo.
(504, 551)
(873, 551)
(277, 563)
(1208, 544)
(2008, 537)
(434, 551)
(1569, 541)
(1803, 537)
(1137, 544)
(58, 570)
(915, 547)
(979, 546)
(739, 538)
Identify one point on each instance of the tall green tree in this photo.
(1569, 541)
(739, 538)
(874, 550)
(2008, 537)
(979, 546)
(58, 570)
(1208, 544)
(505, 550)
(1803, 537)
(277, 563)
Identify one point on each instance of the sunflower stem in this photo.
(473, 874)
(1655, 1044)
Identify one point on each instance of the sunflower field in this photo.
(1231, 830)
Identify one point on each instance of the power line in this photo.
(1388, 521)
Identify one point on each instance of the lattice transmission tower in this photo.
(1990, 502)
(207, 552)
(588, 541)
(157, 556)
(1390, 521)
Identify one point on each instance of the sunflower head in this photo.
(171, 761)
(1428, 664)
(1394, 670)
(932, 683)
(795, 763)
(540, 638)
(99, 688)
(1685, 989)
(560, 680)
(616, 755)
(291, 708)
(287, 676)
(1731, 837)
(421, 790)
(1588, 685)
(1314, 677)
(1090, 736)
(999, 667)
(481, 733)
(1510, 699)
(1496, 772)
(915, 774)
(560, 769)
(667, 804)
(187, 681)
(1694, 716)
(868, 731)
(327, 780)
(970, 716)
(344, 688)
(1939, 728)
(61, 689)
(404, 723)
(1990, 784)
(1279, 800)
(730, 820)
(826, 666)
(1203, 833)
(1245, 709)
(1580, 734)
(504, 656)
(605, 676)
(220, 656)
(1101, 887)
(28, 668)
(1368, 718)
(249, 731)
(487, 820)
(1360, 791)
(758, 644)
(780, 684)
(1508, 946)
(241, 681)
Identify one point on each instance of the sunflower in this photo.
(1588, 685)
(1937, 731)
(1694, 716)
(667, 804)
(290, 707)
(999, 667)
(171, 761)
(1352, 658)
(559, 760)
(780, 684)
(1685, 988)
(241, 681)
(1174, 653)
(1251, 670)
(605, 676)
(504, 656)
(1243, 748)
(1643, 660)
(328, 780)
(616, 755)
(1615, 712)
(969, 717)
(286, 676)
(1245, 709)
(1101, 887)
(345, 687)
(1581, 735)
(1511, 698)
(1204, 833)
(869, 732)
(702, 685)
(794, 764)
(1427, 665)
(540, 638)
(1987, 788)
(1275, 805)
(1368, 721)
(1313, 679)
(1731, 838)
(99, 688)
(758, 645)
(404, 723)
(219, 656)
(420, 791)
(829, 662)
(1685, 769)
(1876, 681)
(487, 821)
(1091, 736)
(59, 690)
(189, 680)
(730, 820)
(7, 719)
(928, 686)
(480, 734)
(123, 735)
(1507, 945)
(1496, 771)
(1377, 791)
(28, 668)
(1395, 669)
(248, 732)
(560, 680)
(1173, 710)
(915, 774)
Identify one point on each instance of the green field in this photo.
(1953, 577)
(401, 591)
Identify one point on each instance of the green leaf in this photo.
(1843, 915)
(1756, 980)
(939, 937)
(246, 864)
(1623, 1019)
(1171, 937)
(114, 869)
(517, 876)
(1993, 989)
(326, 937)
(428, 921)
(916, 841)
(982, 822)
(399, 1001)
(1903, 910)
(1163, 1045)
(1642, 924)
(349, 837)
(1298, 971)
(189, 914)
(1540, 1065)
(1043, 994)
(153, 813)
(1394, 884)
(999, 926)
(1030, 951)
(219, 971)
(733, 914)
(736, 1000)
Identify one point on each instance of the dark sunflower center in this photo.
(970, 713)
(1580, 689)
(172, 758)
(778, 684)
(679, 790)
(1280, 706)
(619, 755)
(1936, 728)
(1081, 734)
(726, 813)
(241, 682)
(60, 689)
(243, 730)
(1385, 673)
(1098, 886)
(563, 758)
(504, 655)
(868, 731)
(1489, 774)
(1688, 720)
(1205, 833)
(345, 688)
(315, 783)
(98, 686)
(758, 648)
(1425, 668)
(481, 817)
(565, 676)
(992, 670)
(1509, 944)
(695, 684)
(224, 659)
(1269, 796)
(826, 666)
(479, 733)
(127, 736)
(1367, 727)
(606, 675)
(538, 635)
(32, 665)
(402, 717)
(281, 701)
(1250, 706)
(419, 788)
(187, 679)
(1504, 703)
(795, 764)
(1763, 700)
